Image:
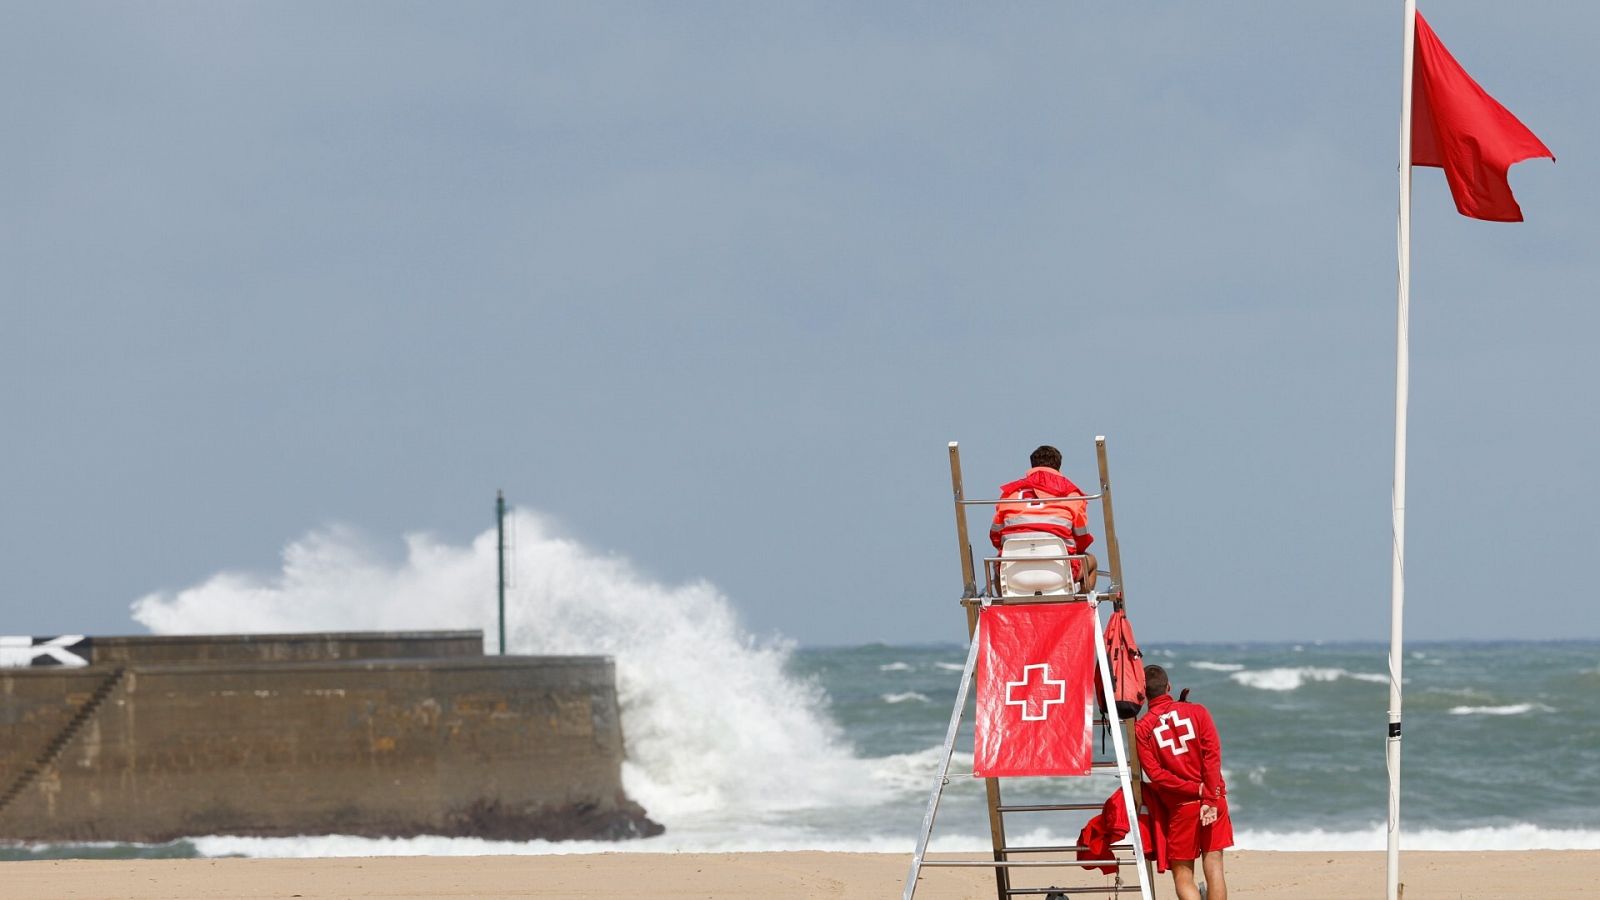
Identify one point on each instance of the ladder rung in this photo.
(1049, 807)
(1108, 889)
(1023, 864)
(1063, 849)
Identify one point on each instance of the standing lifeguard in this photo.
(1049, 503)
(1182, 758)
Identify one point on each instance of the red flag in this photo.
(1458, 127)
(1035, 669)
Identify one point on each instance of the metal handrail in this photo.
(1035, 599)
(1018, 559)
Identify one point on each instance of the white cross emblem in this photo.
(1032, 696)
(1164, 733)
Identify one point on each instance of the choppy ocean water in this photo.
(751, 744)
(1502, 740)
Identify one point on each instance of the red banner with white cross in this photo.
(1035, 690)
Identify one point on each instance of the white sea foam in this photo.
(914, 773)
(905, 697)
(1210, 666)
(712, 721)
(895, 667)
(951, 667)
(1290, 678)
(1521, 836)
(1512, 709)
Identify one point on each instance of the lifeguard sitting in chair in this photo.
(1044, 515)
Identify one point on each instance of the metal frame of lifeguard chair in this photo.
(1126, 763)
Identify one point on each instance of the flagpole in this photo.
(1402, 381)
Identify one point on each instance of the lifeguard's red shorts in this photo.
(1187, 838)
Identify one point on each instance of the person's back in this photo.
(1181, 755)
(1045, 504)
(1179, 749)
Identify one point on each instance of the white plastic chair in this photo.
(1022, 577)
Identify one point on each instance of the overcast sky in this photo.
(713, 285)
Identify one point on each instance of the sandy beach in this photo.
(1550, 875)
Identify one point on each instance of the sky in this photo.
(712, 285)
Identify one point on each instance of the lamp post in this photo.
(500, 525)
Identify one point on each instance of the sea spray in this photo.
(711, 720)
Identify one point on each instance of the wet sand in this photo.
(1549, 875)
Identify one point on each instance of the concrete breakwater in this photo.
(373, 734)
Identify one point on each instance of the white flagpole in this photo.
(1402, 378)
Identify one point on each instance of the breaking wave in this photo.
(905, 696)
(711, 719)
(1513, 709)
(1288, 679)
(1210, 666)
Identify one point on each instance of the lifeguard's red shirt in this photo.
(1180, 751)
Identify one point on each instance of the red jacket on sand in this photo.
(1111, 825)
(1180, 751)
(1046, 506)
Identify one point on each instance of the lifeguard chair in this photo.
(1035, 568)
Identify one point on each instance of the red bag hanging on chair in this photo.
(1127, 667)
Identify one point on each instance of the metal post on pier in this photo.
(500, 525)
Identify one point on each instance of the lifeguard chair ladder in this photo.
(975, 599)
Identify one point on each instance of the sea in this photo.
(741, 743)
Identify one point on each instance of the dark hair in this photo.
(1046, 456)
(1155, 681)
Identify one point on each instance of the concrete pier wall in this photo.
(456, 744)
(199, 648)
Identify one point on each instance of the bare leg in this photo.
(1183, 880)
(1216, 884)
(1091, 572)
